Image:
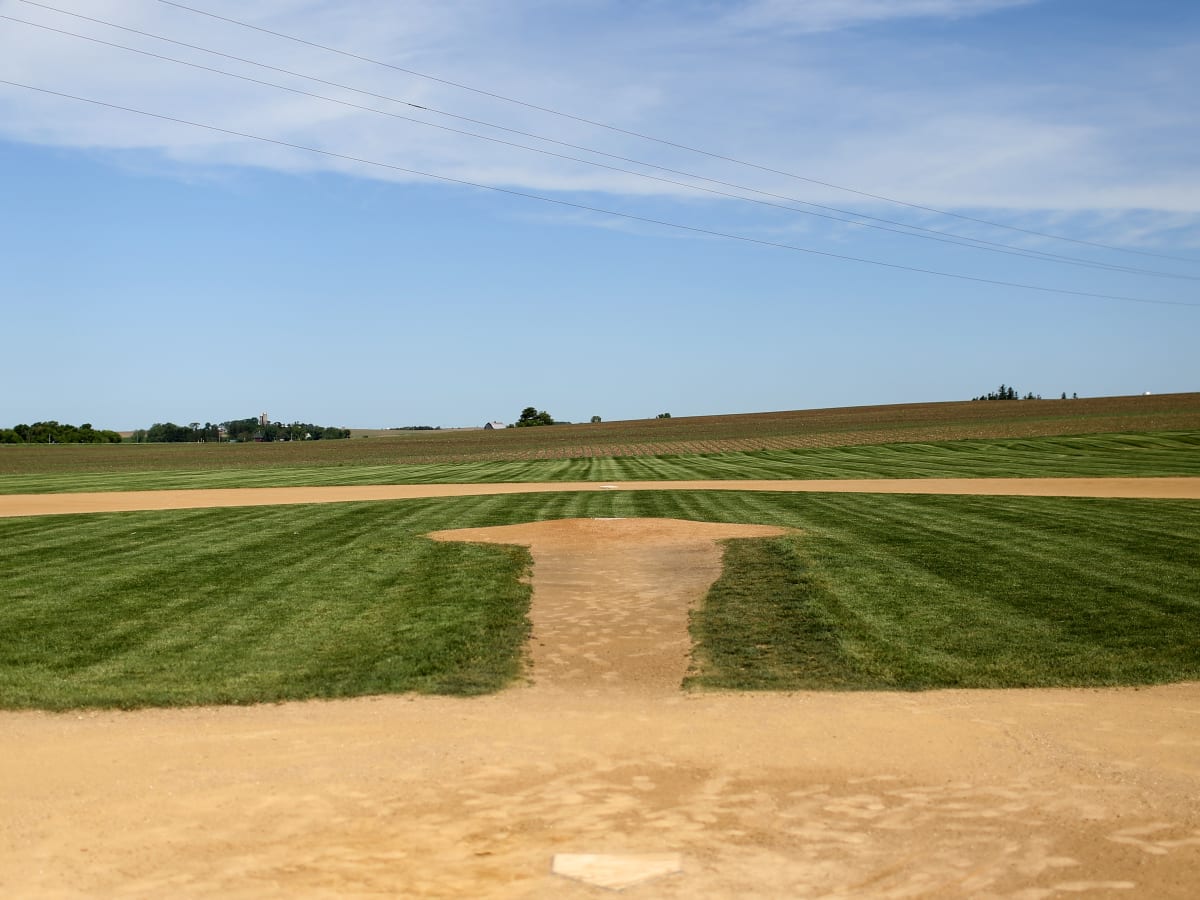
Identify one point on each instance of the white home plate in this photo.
(616, 871)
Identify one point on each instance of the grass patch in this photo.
(240, 606)
(1101, 455)
(879, 592)
(931, 592)
(765, 624)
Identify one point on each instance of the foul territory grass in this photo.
(869, 592)
(1101, 455)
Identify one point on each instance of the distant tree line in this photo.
(55, 433)
(170, 433)
(237, 430)
(416, 428)
(251, 430)
(1008, 392)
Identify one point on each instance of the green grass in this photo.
(252, 605)
(923, 592)
(899, 592)
(1103, 455)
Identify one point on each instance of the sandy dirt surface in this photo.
(951, 793)
(612, 597)
(1178, 488)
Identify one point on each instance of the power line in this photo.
(595, 209)
(658, 140)
(902, 228)
(1014, 251)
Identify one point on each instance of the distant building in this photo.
(491, 426)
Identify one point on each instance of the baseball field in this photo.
(940, 649)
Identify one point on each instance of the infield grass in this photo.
(332, 600)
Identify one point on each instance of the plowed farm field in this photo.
(801, 429)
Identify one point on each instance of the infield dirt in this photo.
(949, 793)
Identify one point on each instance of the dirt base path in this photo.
(1023, 794)
(125, 501)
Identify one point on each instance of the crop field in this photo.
(870, 591)
(796, 430)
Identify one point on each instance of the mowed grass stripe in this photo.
(255, 606)
(870, 592)
(931, 591)
(1132, 455)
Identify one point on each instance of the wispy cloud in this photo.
(810, 16)
(789, 85)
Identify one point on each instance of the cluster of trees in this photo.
(1007, 392)
(170, 433)
(251, 430)
(237, 430)
(531, 416)
(55, 433)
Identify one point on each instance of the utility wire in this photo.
(943, 238)
(856, 217)
(657, 140)
(595, 209)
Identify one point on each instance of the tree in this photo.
(595, 419)
(664, 415)
(531, 416)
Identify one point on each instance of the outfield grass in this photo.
(1102, 455)
(272, 603)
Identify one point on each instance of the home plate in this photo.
(616, 871)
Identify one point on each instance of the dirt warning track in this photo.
(1178, 488)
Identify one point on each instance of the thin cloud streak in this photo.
(972, 141)
(810, 16)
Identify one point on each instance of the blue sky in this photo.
(155, 271)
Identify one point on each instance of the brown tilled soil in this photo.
(780, 430)
(949, 793)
